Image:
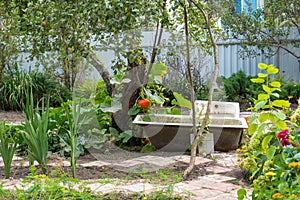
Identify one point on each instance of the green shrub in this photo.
(291, 91)
(16, 82)
(239, 88)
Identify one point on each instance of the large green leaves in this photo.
(281, 103)
(158, 70)
(181, 101)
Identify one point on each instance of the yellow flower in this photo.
(294, 196)
(293, 165)
(276, 195)
(270, 174)
(255, 181)
(259, 165)
(244, 147)
(144, 198)
(250, 178)
(43, 176)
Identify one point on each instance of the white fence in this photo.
(229, 59)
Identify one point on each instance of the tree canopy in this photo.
(273, 27)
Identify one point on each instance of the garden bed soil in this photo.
(19, 170)
(11, 116)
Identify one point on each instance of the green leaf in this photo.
(275, 95)
(264, 117)
(252, 128)
(273, 118)
(241, 193)
(257, 80)
(182, 102)
(275, 84)
(116, 106)
(281, 124)
(280, 115)
(263, 97)
(272, 70)
(261, 128)
(158, 70)
(176, 111)
(281, 103)
(266, 141)
(266, 89)
(134, 110)
(271, 152)
(262, 66)
(297, 157)
(154, 96)
(147, 119)
(126, 135)
(260, 75)
(259, 105)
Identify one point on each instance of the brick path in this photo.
(217, 184)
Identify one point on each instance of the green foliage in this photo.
(201, 87)
(239, 88)
(271, 155)
(90, 136)
(290, 91)
(267, 28)
(148, 148)
(58, 34)
(48, 187)
(7, 148)
(296, 115)
(5, 194)
(15, 83)
(271, 88)
(36, 130)
(181, 101)
(74, 122)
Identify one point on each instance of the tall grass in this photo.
(36, 131)
(7, 148)
(16, 82)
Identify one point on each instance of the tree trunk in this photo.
(102, 71)
(211, 90)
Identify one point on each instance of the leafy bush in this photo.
(291, 91)
(16, 83)
(239, 88)
(272, 157)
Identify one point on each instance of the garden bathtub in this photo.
(173, 132)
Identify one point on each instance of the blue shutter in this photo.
(238, 6)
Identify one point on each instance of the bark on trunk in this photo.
(211, 90)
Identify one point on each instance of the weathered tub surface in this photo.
(172, 132)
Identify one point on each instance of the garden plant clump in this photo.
(272, 157)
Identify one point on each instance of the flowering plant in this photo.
(272, 156)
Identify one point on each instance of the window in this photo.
(244, 5)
